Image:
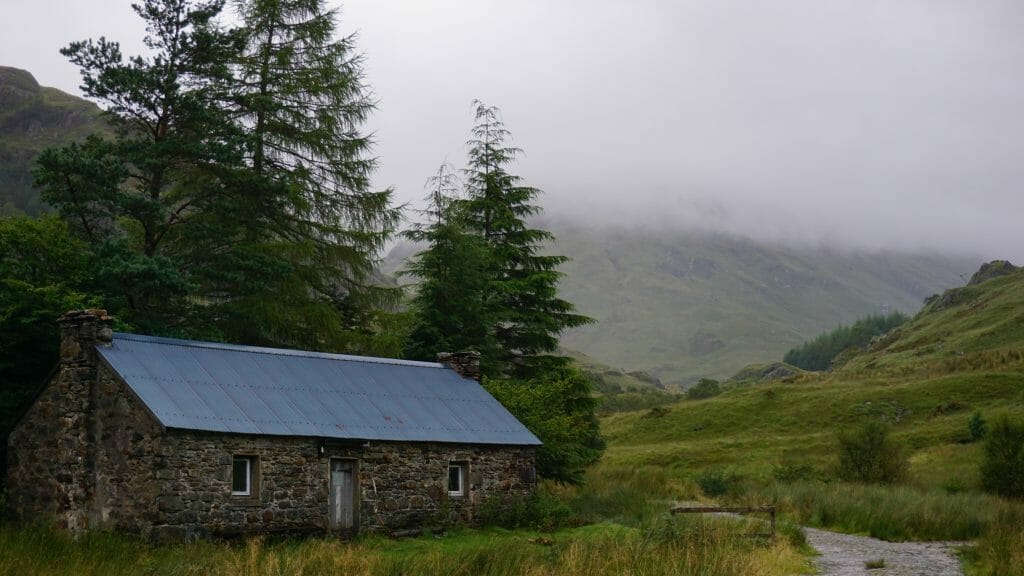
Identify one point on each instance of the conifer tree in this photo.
(233, 201)
(522, 300)
(448, 307)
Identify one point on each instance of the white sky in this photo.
(866, 123)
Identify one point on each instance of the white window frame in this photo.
(249, 461)
(461, 467)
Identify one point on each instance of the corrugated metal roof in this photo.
(248, 390)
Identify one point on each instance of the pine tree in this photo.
(233, 201)
(299, 94)
(525, 311)
(131, 195)
(448, 307)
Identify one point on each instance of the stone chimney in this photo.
(467, 364)
(80, 332)
(74, 406)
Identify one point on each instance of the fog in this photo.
(862, 123)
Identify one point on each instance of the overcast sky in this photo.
(870, 123)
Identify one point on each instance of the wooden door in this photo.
(342, 502)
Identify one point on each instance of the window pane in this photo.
(240, 476)
(455, 478)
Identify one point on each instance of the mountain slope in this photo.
(33, 118)
(926, 391)
(685, 305)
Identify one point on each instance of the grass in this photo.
(667, 546)
(875, 564)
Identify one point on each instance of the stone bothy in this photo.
(177, 439)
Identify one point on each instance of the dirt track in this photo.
(846, 555)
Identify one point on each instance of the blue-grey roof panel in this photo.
(249, 390)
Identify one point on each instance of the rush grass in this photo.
(666, 546)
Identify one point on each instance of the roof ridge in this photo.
(271, 351)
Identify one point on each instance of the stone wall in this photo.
(51, 455)
(400, 485)
(88, 454)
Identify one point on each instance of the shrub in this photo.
(1002, 471)
(704, 388)
(977, 427)
(867, 454)
(717, 482)
(539, 511)
(559, 408)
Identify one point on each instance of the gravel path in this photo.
(845, 555)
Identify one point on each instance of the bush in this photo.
(704, 388)
(977, 427)
(1002, 471)
(717, 482)
(539, 511)
(558, 408)
(867, 454)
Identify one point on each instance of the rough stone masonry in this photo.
(89, 455)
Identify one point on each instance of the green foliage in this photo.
(867, 454)
(232, 201)
(525, 313)
(977, 427)
(44, 272)
(704, 388)
(448, 308)
(1002, 471)
(817, 354)
(894, 513)
(716, 482)
(558, 407)
(539, 511)
(794, 471)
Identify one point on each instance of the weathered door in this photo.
(342, 496)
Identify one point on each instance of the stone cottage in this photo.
(177, 439)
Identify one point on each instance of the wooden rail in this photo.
(770, 510)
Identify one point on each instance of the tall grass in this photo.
(667, 546)
(628, 495)
(888, 512)
(902, 513)
(1000, 551)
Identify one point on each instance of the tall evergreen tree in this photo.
(448, 307)
(525, 311)
(131, 196)
(233, 201)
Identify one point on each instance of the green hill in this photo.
(963, 353)
(682, 306)
(33, 118)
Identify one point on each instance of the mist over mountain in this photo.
(686, 304)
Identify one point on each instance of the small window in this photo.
(242, 470)
(456, 479)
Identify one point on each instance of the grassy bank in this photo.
(666, 546)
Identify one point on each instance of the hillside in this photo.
(33, 118)
(681, 306)
(964, 353)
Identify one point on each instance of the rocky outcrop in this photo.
(33, 118)
(990, 270)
